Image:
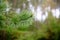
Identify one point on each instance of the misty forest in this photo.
(29, 19)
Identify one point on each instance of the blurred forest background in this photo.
(29, 19)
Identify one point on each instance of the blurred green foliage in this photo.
(22, 26)
(2, 6)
